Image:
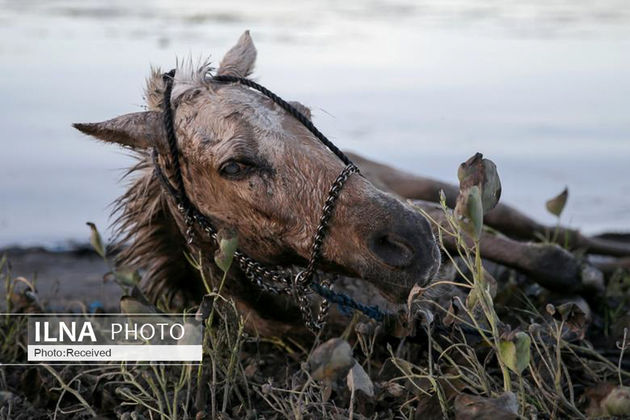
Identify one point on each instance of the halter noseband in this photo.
(276, 281)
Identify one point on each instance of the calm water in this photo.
(541, 87)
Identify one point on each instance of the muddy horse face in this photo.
(251, 167)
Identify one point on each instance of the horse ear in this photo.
(139, 130)
(304, 110)
(239, 61)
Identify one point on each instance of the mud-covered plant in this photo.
(126, 278)
(548, 352)
(555, 206)
(479, 192)
(223, 336)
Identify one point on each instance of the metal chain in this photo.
(305, 278)
(327, 211)
(277, 281)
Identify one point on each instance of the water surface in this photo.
(540, 87)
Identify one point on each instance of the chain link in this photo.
(322, 228)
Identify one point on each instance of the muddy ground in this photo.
(574, 366)
(66, 280)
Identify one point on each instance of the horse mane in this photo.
(189, 76)
(147, 238)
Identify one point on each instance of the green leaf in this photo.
(556, 205)
(225, 254)
(96, 241)
(127, 277)
(442, 197)
(475, 211)
(469, 211)
(617, 403)
(514, 351)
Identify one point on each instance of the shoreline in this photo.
(66, 278)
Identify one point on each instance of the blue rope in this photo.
(346, 301)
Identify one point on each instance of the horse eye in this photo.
(233, 168)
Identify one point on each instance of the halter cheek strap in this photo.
(276, 281)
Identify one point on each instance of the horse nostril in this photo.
(392, 250)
